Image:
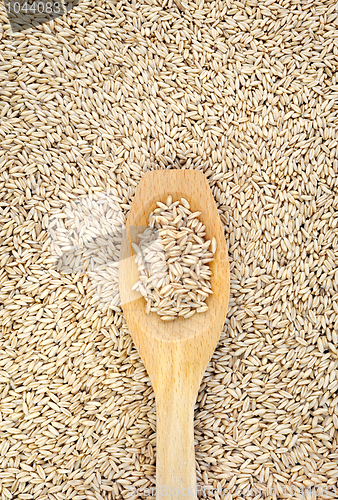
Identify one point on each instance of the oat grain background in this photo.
(247, 92)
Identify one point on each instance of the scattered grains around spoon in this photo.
(246, 92)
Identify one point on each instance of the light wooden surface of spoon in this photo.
(175, 353)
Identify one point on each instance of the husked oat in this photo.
(246, 92)
(173, 261)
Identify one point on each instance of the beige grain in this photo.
(172, 259)
(246, 92)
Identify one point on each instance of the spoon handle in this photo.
(175, 455)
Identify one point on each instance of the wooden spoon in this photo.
(175, 353)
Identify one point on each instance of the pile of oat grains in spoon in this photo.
(173, 261)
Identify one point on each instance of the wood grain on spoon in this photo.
(176, 353)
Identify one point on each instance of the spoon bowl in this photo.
(175, 353)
